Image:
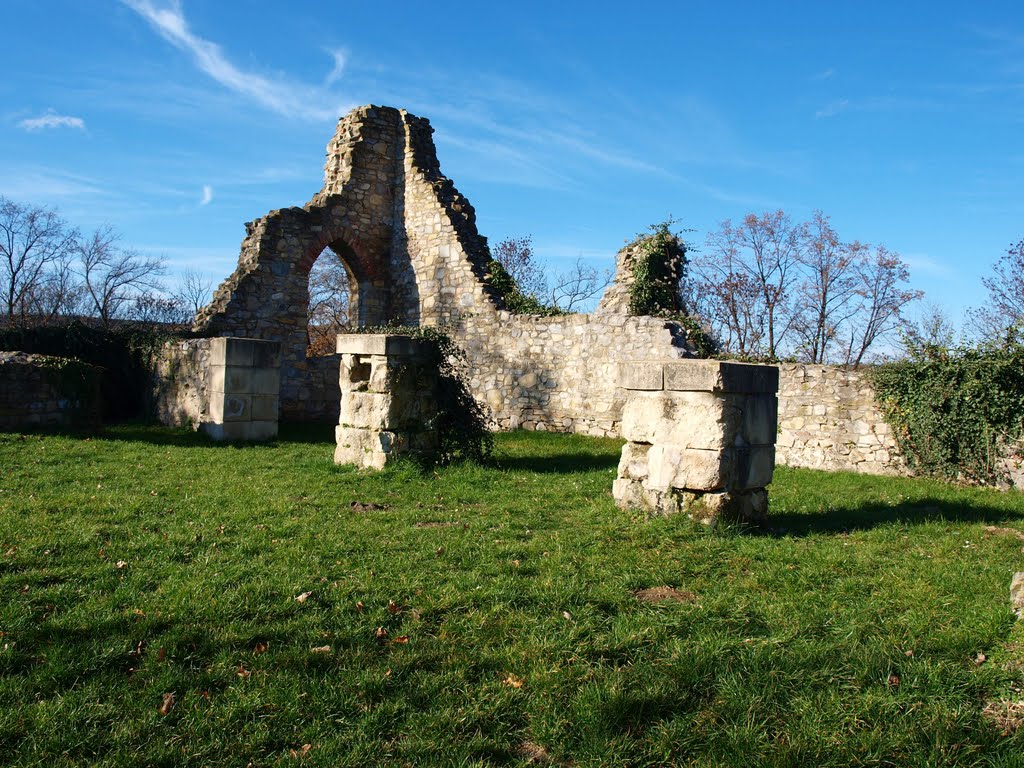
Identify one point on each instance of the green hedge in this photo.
(122, 351)
(953, 410)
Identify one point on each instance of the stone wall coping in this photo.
(699, 376)
(395, 344)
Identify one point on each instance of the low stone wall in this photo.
(828, 419)
(44, 391)
(560, 373)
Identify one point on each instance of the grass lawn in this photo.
(166, 601)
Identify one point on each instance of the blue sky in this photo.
(577, 123)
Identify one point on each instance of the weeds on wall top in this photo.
(462, 422)
(658, 270)
(512, 296)
(954, 411)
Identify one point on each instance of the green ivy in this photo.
(462, 422)
(657, 270)
(512, 297)
(952, 411)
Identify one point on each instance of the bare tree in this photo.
(113, 276)
(194, 291)
(515, 254)
(1003, 315)
(752, 267)
(930, 331)
(882, 276)
(329, 303)
(32, 240)
(578, 285)
(828, 292)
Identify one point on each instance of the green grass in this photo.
(845, 635)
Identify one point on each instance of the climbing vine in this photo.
(954, 411)
(659, 266)
(512, 296)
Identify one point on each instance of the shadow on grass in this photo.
(559, 464)
(868, 516)
(183, 437)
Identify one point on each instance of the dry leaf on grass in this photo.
(167, 704)
(380, 633)
(980, 659)
(303, 597)
(534, 754)
(260, 648)
(300, 752)
(513, 681)
(394, 608)
(321, 649)
(401, 639)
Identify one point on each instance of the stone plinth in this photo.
(243, 381)
(389, 385)
(701, 438)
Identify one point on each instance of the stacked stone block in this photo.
(389, 386)
(700, 438)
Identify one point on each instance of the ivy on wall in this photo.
(658, 269)
(954, 411)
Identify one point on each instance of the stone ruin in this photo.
(409, 243)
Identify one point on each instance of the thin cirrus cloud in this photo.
(287, 98)
(207, 195)
(52, 120)
(833, 109)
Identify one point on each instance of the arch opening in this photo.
(333, 305)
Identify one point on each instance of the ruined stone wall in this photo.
(180, 394)
(44, 391)
(828, 419)
(560, 373)
(409, 241)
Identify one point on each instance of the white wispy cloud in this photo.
(340, 57)
(207, 196)
(52, 120)
(825, 75)
(832, 109)
(288, 98)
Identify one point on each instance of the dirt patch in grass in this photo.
(1008, 716)
(997, 530)
(534, 754)
(664, 595)
(367, 506)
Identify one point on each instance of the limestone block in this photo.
(241, 430)
(748, 507)
(754, 467)
(266, 381)
(720, 376)
(673, 466)
(365, 410)
(265, 408)
(224, 408)
(377, 344)
(234, 380)
(641, 375)
(1017, 593)
(760, 419)
(633, 461)
(687, 419)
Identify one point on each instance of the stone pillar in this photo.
(701, 438)
(243, 382)
(389, 386)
